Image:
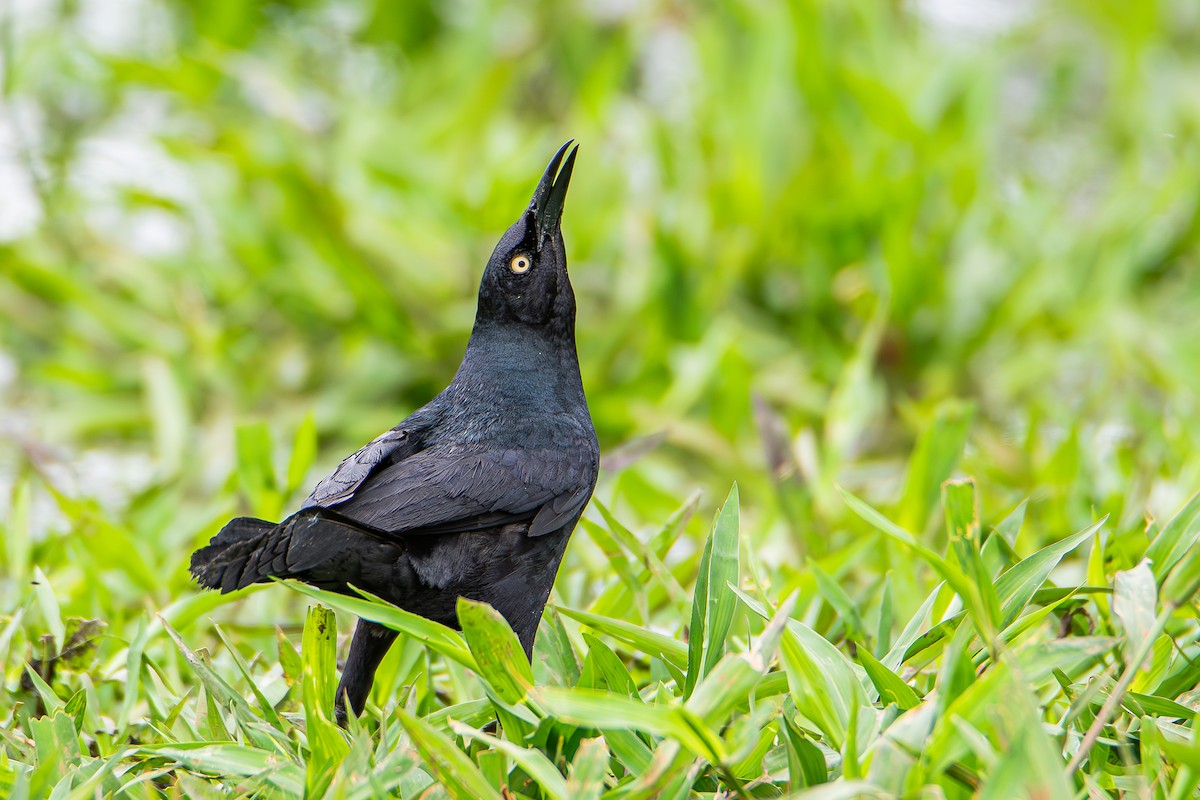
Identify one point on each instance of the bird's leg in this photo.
(369, 646)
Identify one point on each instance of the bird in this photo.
(476, 493)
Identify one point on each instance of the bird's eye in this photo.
(520, 264)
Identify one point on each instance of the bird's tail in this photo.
(233, 558)
(314, 545)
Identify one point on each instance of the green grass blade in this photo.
(325, 740)
(264, 705)
(534, 762)
(608, 603)
(57, 747)
(618, 562)
(824, 686)
(585, 780)
(49, 698)
(607, 710)
(610, 666)
(221, 691)
(723, 573)
(48, 603)
(1183, 581)
(933, 460)
(696, 629)
(643, 554)
(843, 790)
(1010, 527)
(735, 677)
(889, 685)
(433, 635)
(610, 711)
(964, 530)
(953, 576)
(806, 762)
(898, 653)
(1177, 537)
(497, 651)
(883, 630)
(840, 602)
(231, 760)
(649, 642)
(453, 768)
(1019, 584)
(629, 750)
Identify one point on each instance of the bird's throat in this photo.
(530, 366)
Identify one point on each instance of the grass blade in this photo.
(723, 573)
(497, 651)
(585, 780)
(953, 576)
(696, 632)
(452, 767)
(650, 642)
(435, 636)
(1018, 585)
(319, 658)
(933, 459)
(964, 530)
(534, 762)
(1176, 538)
(889, 685)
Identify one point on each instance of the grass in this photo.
(926, 297)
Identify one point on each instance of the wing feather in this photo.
(438, 492)
(389, 447)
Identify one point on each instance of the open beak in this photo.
(551, 193)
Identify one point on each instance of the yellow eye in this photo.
(520, 264)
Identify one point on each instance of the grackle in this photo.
(476, 493)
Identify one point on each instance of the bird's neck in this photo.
(521, 364)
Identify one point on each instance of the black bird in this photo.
(476, 493)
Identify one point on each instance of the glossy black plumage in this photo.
(477, 492)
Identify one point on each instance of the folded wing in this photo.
(339, 485)
(435, 491)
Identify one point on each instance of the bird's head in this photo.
(526, 278)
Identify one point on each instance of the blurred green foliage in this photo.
(815, 244)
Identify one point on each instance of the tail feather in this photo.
(233, 558)
(313, 545)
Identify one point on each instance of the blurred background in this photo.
(814, 243)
